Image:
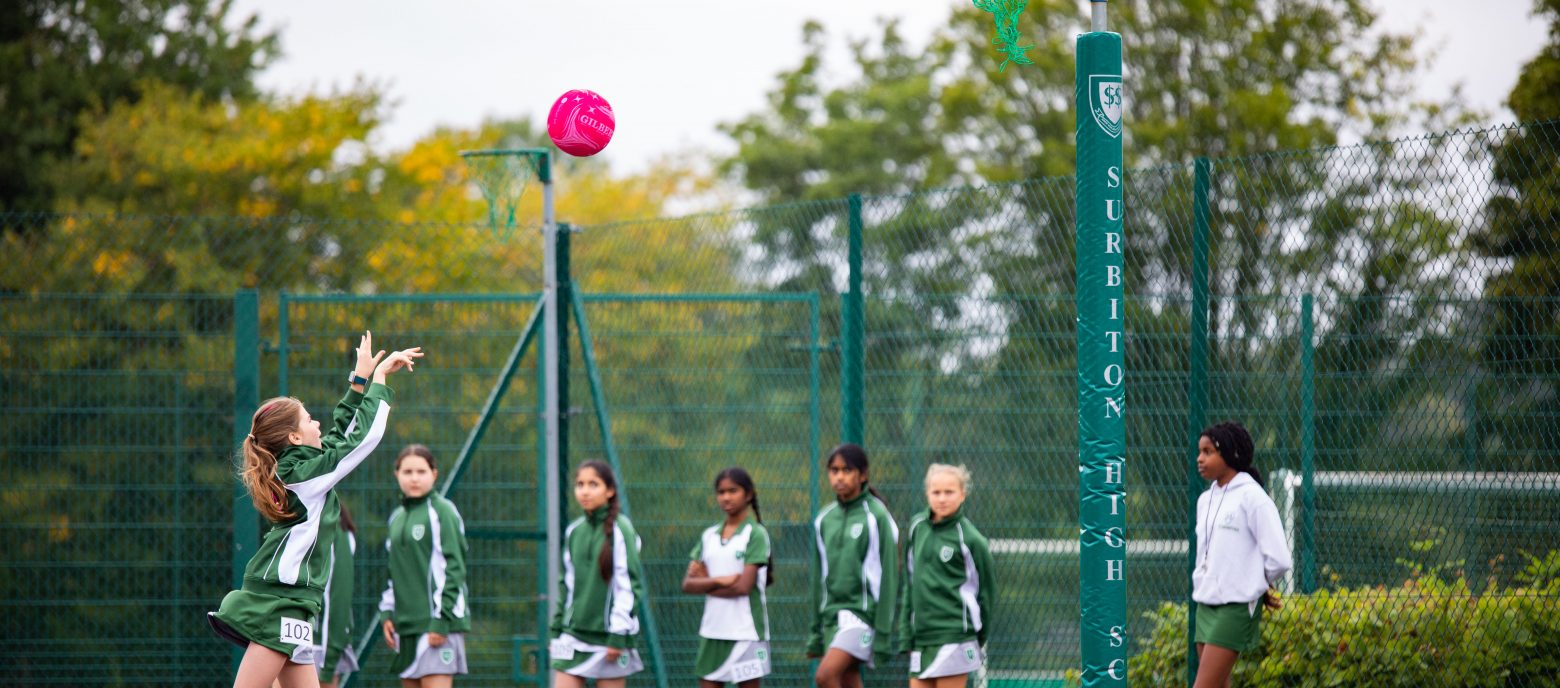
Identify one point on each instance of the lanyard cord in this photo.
(1207, 544)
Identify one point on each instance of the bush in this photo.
(1429, 631)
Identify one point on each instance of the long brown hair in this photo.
(268, 438)
(603, 471)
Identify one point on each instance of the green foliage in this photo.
(1523, 331)
(1429, 630)
(61, 59)
(1212, 78)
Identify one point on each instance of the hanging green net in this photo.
(502, 176)
(1006, 14)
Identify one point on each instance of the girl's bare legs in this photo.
(563, 680)
(261, 665)
(298, 676)
(611, 682)
(1214, 665)
(838, 670)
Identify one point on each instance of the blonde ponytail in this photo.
(268, 437)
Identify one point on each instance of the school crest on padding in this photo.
(1106, 102)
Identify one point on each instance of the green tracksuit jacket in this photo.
(295, 554)
(947, 587)
(334, 627)
(858, 552)
(596, 611)
(427, 590)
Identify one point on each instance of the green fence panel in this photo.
(1385, 317)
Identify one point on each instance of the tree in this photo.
(1213, 78)
(61, 59)
(1523, 233)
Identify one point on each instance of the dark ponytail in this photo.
(740, 477)
(603, 471)
(854, 457)
(347, 523)
(1235, 447)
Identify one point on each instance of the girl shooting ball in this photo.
(291, 470)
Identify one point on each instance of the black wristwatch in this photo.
(356, 379)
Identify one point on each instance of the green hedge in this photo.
(1429, 631)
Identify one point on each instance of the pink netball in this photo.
(581, 123)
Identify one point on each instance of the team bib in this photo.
(296, 632)
(561, 649)
(743, 671)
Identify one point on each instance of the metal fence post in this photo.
(246, 400)
(1196, 387)
(852, 368)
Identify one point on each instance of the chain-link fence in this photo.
(1385, 318)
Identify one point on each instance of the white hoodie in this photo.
(1246, 551)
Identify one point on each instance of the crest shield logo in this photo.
(1106, 100)
(417, 533)
(855, 530)
(447, 656)
(946, 553)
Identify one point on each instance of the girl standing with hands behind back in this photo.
(1241, 551)
(425, 605)
(596, 625)
(858, 552)
(291, 470)
(948, 587)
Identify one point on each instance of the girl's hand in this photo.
(435, 639)
(367, 360)
(405, 358)
(1270, 599)
(697, 570)
(725, 581)
(389, 628)
(613, 654)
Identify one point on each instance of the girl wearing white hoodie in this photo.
(1241, 551)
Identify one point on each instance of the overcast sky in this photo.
(673, 69)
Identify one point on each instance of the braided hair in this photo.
(1235, 447)
(739, 476)
(603, 471)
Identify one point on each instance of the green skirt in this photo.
(1230, 626)
(283, 624)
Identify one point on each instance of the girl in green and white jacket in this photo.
(426, 609)
(947, 587)
(334, 654)
(596, 625)
(291, 470)
(858, 554)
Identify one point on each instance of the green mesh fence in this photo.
(1384, 317)
(117, 427)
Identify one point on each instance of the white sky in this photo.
(673, 69)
